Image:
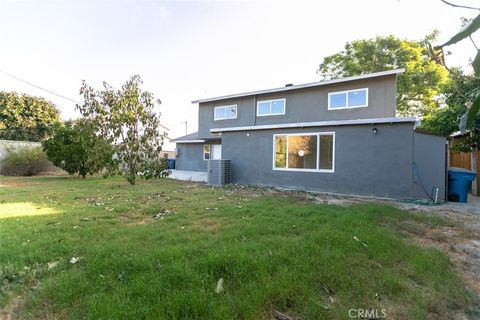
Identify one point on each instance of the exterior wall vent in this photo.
(218, 172)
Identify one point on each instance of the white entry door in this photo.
(216, 151)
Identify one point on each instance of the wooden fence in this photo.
(464, 160)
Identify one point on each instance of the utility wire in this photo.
(51, 92)
(38, 87)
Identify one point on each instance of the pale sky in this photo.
(185, 50)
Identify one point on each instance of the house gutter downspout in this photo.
(255, 110)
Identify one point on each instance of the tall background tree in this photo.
(127, 120)
(418, 87)
(460, 92)
(469, 27)
(25, 117)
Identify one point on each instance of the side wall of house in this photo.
(189, 156)
(365, 163)
(304, 105)
(430, 165)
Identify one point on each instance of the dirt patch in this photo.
(16, 183)
(339, 199)
(207, 224)
(461, 245)
(248, 192)
(10, 310)
(135, 220)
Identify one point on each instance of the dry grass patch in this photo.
(208, 224)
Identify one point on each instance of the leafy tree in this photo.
(444, 121)
(76, 148)
(458, 95)
(24, 117)
(126, 119)
(468, 29)
(417, 88)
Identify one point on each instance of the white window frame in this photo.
(271, 102)
(226, 117)
(318, 134)
(346, 92)
(209, 151)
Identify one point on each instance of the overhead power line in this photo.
(51, 92)
(38, 87)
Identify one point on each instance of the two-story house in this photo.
(338, 136)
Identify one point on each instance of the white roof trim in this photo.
(316, 124)
(459, 134)
(188, 141)
(301, 86)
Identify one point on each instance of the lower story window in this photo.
(206, 152)
(304, 152)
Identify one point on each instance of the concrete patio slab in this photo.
(196, 176)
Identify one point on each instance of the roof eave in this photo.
(188, 141)
(317, 124)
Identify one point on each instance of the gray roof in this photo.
(303, 86)
(189, 138)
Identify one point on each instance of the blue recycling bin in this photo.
(459, 183)
(170, 164)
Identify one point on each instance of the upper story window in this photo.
(271, 107)
(225, 112)
(348, 99)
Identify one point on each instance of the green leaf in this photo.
(473, 111)
(466, 31)
(476, 64)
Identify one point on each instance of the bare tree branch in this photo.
(474, 44)
(459, 6)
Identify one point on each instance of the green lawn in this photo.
(277, 251)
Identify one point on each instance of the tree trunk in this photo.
(131, 175)
(132, 169)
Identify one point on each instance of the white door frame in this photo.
(216, 151)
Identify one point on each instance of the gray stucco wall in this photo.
(189, 156)
(365, 163)
(429, 156)
(304, 105)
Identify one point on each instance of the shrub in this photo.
(25, 161)
(76, 148)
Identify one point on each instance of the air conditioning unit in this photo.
(219, 172)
